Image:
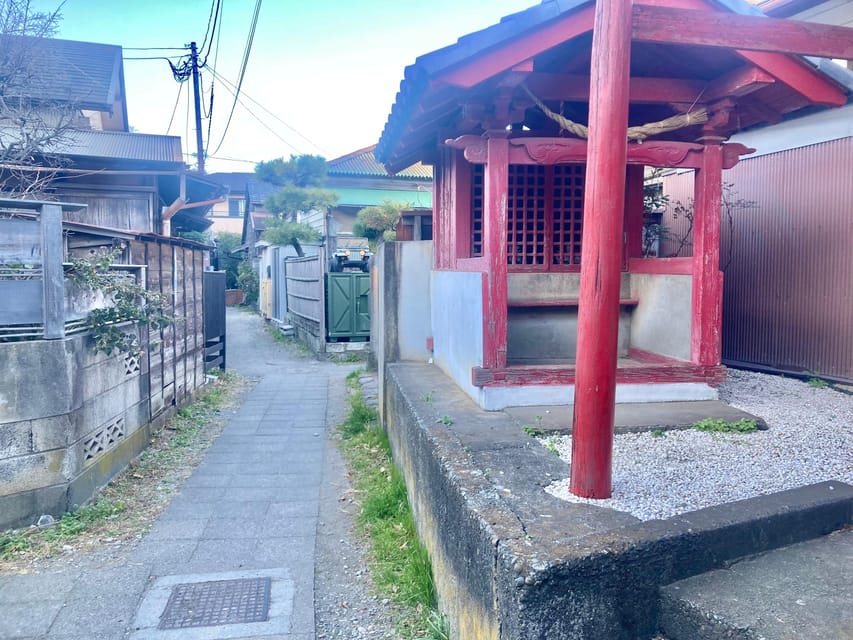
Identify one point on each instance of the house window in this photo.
(544, 216)
(236, 207)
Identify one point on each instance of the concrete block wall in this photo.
(70, 419)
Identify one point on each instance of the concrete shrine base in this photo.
(511, 561)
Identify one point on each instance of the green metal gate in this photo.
(348, 305)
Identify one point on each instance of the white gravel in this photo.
(810, 439)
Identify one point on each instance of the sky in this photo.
(321, 77)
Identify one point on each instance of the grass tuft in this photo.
(400, 565)
(717, 425)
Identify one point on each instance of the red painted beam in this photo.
(796, 74)
(666, 25)
(496, 181)
(575, 87)
(646, 373)
(706, 303)
(739, 82)
(601, 260)
(491, 63)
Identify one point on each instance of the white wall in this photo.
(457, 325)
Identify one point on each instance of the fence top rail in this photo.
(36, 205)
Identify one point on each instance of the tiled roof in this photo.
(121, 145)
(363, 163)
(85, 74)
(115, 145)
(416, 85)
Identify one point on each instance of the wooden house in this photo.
(515, 223)
(130, 181)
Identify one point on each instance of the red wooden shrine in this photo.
(553, 222)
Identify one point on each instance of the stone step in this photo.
(803, 591)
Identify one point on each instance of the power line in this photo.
(217, 22)
(243, 94)
(175, 108)
(211, 22)
(263, 124)
(245, 62)
(169, 58)
(154, 48)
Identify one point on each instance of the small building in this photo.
(497, 116)
(361, 181)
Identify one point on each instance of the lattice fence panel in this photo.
(477, 208)
(526, 216)
(567, 223)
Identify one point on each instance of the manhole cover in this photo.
(210, 604)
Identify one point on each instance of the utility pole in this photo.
(197, 102)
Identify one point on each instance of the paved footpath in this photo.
(239, 536)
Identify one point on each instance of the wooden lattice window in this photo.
(477, 208)
(525, 215)
(544, 216)
(567, 218)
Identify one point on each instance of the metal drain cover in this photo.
(210, 604)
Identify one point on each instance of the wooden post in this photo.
(53, 283)
(494, 247)
(707, 302)
(604, 201)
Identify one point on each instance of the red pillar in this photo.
(495, 186)
(707, 302)
(604, 201)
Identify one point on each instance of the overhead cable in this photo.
(245, 62)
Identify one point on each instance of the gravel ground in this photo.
(345, 605)
(810, 439)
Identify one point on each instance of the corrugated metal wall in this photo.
(788, 297)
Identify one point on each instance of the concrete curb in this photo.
(513, 562)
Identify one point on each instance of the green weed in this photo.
(660, 433)
(445, 420)
(533, 432)
(400, 564)
(817, 383)
(550, 445)
(717, 425)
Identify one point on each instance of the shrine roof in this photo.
(548, 46)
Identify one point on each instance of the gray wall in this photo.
(413, 310)
(400, 313)
(661, 321)
(457, 325)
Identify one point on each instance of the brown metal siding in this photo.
(788, 296)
